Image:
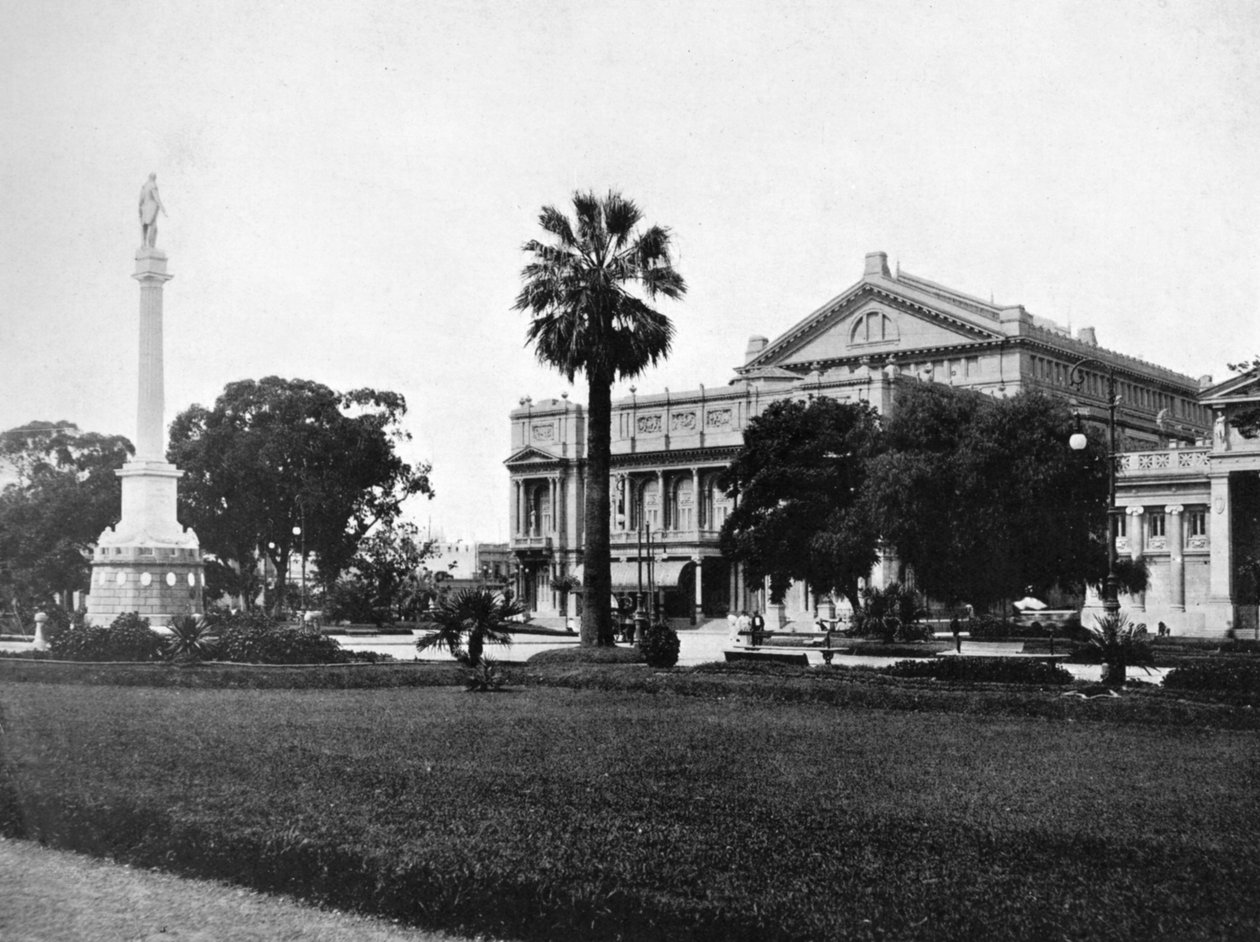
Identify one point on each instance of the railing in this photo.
(531, 542)
(631, 537)
(1173, 460)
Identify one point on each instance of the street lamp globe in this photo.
(1078, 441)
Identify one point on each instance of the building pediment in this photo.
(532, 455)
(1244, 388)
(879, 317)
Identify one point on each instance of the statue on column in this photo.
(150, 205)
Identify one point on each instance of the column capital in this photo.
(1135, 511)
(1174, 509)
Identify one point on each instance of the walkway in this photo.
(55, 896)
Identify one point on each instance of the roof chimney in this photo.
(877, 264)
(756, 343)
(1087, 335)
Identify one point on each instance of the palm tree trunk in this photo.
(597, 579)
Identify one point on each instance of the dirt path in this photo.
(54, 896)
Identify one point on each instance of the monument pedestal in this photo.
(147, 562)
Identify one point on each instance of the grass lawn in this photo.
(558, 813)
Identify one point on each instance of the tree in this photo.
(384, 583)
(982, 497)
(65, 494)
(798, 477)
(278, 454)
(1247, 419)
(582, 289)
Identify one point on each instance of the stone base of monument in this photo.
(147, 563)
(158, 582)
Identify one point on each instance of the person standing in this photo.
(743, 625)
(758, 627)
(732, 627)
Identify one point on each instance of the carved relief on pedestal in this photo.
(543, 432)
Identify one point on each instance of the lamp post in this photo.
(301, 535)
(1076, 376)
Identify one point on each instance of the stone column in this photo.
(1176, 561)
(150, 427)
(551, 500)
(695, 500)
(1137, 545)
(1221, 540)
(146, 562)
(516, 507)
(661, 502)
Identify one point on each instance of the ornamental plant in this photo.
(128, 638)
(464, 622)
(1119, 644)
(190, 639)
(660, 645)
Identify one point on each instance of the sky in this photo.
(349, 185)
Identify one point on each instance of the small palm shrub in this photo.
(128, 638)
(464, 622)
(190, 639)
(484, 677)
(660, 645)
(1119, 645)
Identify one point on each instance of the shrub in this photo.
(252, 638)
(660, 645)
(891, 614)
(128, 638)
(1210, 675)
(580, 655)
(998, 670)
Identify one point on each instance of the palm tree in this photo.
(464, 622)
(577, 288)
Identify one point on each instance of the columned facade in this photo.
(668, 449)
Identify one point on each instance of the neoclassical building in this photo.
(1193, 514)
(669, 448)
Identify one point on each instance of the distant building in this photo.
(669, 447)
(464, 564)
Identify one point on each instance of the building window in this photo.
(1120, 524)
(1196, 522)
(1157, 523)
(873, 327)
(681, 505)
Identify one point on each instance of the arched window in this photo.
(873, 327)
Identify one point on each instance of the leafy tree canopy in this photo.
(385, 582)
(65, 493)
(982, 497)
(798, 478)
(277, 454)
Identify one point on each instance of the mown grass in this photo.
(575, 813)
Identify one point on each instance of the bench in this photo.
(774, 657)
